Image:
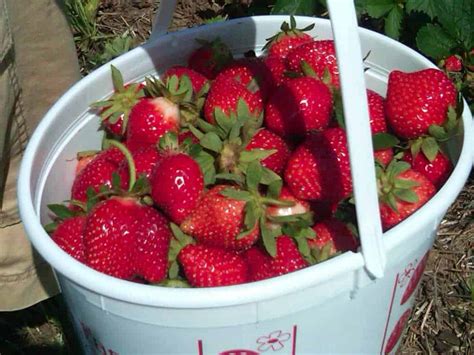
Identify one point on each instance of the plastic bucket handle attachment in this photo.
(349, 59)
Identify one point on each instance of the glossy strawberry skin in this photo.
(150, 119)
(96, 173)
(177, 184)
(110, 235)
(277, 69)
(437, 171)
(378, 123)
(217, 221)
(145, 160)
(267, 140)
(320, 55)
(453, 64)
(319, 168)
(335, 232)
(206, 266)
(152, 245)
(69, 236)
(299, 106)
(263, 266)
(245, 70)
(424, 191)
(225, 94)
(281, 47)
(384, 156)
(197, 80)
(417, 100)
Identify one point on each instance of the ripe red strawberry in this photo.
(288, 38)
(210, 58)
(69, 236)
(437, 171)
(110, 235)
(384, 156)
(402, 191)
(251, 73)
(321, 57)
(299, 106)
(299, 206)
(206, 266)
(453, 63)
(376, 102)
(145, 160)
(198, 81)
(277, 68)
(217, 220)
(153, 238)
(334, 233)
(115, 110)
(97, 173)
(417, 100)
(225, 94)
(263, 266)
(150, 119)
(83, 160)
(176, 185)
(319, 168)
(267, 140)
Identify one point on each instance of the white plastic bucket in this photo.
(332, 307)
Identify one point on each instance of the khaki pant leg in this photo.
(37, 64)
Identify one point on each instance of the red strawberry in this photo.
(437, 171)
(210, 58)
(150, 119)
(217, 220)
(323, 209)
(453, 63)
(299, 206)
(401, 192)
(263, 266)
(319, 168)
(267, 140)
(110, 235)
(384, 156)
(299, 106)
(69, 236)
(183, 135)
(288, 38)
(376, 102)
(115, 110)
(415, 279)
(334, 233)
(206, 266)
(321, 57)
(251, 73)
(417, 100)
(176, 185)
(145, 160)
(152, 245)
(397, 332)
(97, 173)
(277, 68)
(83, 160)
(198, 81)
(225, 94)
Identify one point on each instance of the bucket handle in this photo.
(349, 59)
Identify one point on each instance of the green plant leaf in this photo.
(294, 7)
(274, 188)
(269, 176)
(456, 18)
(437, 131)
(384, 141)
(235, 194)
(379, 8)
(206, 163)
(248, 156)
(212, 142)
(393, 22)
(230, 177)
(253, 175)
(430, 148)
(61, 211)
(406, 195)
(434, 41)
(425, 6)
(268, 238)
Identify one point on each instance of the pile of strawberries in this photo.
(227, 171)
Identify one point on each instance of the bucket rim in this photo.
(149, 295)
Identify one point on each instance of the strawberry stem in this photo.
(131, 163)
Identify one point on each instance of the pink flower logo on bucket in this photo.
(274, 341)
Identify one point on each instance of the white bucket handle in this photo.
(349, 59)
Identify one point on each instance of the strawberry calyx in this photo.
(119, 105)
(391, 188)
(220, 53)
(62, 212)
(178, 242)
(288, 30)
(451, 125)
